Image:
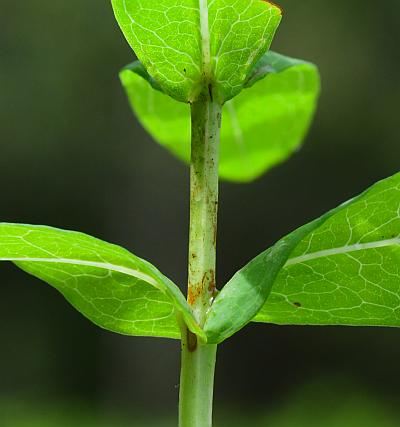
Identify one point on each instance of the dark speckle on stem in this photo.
(210, 92)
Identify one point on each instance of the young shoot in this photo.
(207, 88)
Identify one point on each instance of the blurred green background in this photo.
(73, 156)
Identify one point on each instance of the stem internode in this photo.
(198, 358)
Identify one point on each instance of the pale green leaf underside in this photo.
(113, 288)
(347, 271)
(183, 43)
(341, 269)
(261, 127)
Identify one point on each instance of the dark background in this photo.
(73, 156)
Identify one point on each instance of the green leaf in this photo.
(165, 119)
(261, 127)
(245, 294)
(113, 288)
(241, 31)
(267, 122)
(347, 270)
(185, 44)
(341, 269)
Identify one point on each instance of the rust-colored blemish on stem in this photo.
(215, 234)
(191, 297)
(211, 282)
(194, 293)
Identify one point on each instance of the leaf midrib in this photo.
(102, 265)
(205, 38)
(343, 250)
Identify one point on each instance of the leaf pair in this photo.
(341, 269)
(188, 46)
(261, 127)
(185, 44)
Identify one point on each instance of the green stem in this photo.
(198, 358)
(206, 119)
(197, 383)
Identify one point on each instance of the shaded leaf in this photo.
(113, 288)
(267, 122)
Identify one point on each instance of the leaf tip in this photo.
(280, 8)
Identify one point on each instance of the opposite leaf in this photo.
(343, 268)
(113, 288)
(261, 127)
(347, 271)
(243, 296)
(186, 44)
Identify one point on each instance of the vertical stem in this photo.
(198, 359)
(206, 122)
(197, 382)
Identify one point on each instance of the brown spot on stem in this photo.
(199, 290)
(215, 234)
(191, 341)
(194, 293)
(208, 282)
(191, 296)
(211, 286)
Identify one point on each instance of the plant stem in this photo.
(206, 119)
(197, 383)
(198, 358)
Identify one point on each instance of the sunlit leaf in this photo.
(347, 270)
(261, 127)
(113, 288)
(185, 44)
(341, 269)
(241, 31)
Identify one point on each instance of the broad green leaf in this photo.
(185, 43)
(261, 127)
(113, 288)
(341, 269)
(347, 270)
